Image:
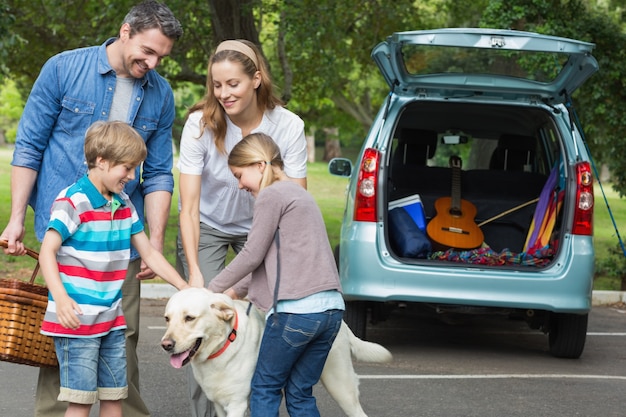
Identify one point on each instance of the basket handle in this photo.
(33, 254)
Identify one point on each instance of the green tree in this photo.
(11, 104)
(319, 50)
(600, 102)
(7, 37)
(328, 45)
(50, 26)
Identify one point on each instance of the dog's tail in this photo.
(366, 351)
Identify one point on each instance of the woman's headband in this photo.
(238, 46)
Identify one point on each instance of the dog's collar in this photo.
(231, 338)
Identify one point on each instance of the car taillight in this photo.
(365, 199)
(583, 214)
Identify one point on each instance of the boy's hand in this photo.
(68, 312)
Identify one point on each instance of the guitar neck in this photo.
(455, 196)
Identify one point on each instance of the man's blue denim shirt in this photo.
(75, 89)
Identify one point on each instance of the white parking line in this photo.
(497, 376)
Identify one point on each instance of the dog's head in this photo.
(198, 323)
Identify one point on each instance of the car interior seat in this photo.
(415, 146)
(514, 153)
(409, 160)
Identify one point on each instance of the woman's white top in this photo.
(223, 205)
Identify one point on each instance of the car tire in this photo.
(355, 317)
(567, 334)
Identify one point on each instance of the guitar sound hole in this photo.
(455, 212)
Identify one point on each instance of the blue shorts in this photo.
(92, 368)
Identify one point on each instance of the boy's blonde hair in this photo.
(115, 142)
(258, 148)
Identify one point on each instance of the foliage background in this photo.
(319, 50)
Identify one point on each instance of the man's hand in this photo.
(145, 272)
(13, 234)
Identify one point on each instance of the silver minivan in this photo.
(473, 191)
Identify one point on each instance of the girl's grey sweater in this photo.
(307, 265)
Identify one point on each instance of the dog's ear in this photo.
(224, 310)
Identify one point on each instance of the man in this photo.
(114, 81)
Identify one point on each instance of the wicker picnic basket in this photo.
(22, 307)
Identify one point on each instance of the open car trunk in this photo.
(490, 182)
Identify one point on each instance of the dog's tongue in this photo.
(178, 360)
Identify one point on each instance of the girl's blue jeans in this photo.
(291, 358)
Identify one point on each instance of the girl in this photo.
(293, 278)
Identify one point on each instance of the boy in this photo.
(84, 256)
(74, 89)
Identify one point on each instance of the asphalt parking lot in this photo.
(483, 367)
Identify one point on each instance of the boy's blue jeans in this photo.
(292, 356)
(92, 368)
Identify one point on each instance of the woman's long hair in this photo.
(213, 114)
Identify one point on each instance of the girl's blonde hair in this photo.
(213, 115)
(116, 142)
(258, 148)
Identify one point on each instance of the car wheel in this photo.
(567, 334)
(355, 317)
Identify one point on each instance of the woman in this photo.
(214, 213)
(287, 269)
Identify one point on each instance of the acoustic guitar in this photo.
(453, 225)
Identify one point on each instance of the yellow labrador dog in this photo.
(220, 337)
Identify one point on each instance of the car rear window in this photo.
(542, 67)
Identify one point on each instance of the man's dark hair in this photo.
(152, 14)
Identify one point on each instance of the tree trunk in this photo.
(332, 148)
(310, 146)
(233, 19)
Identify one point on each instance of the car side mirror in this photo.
(340, 166)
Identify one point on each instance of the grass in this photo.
(329, 192)
(606, 238)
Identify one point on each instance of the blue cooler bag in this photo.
(406, 237)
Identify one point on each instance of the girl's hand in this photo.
(231, 293)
